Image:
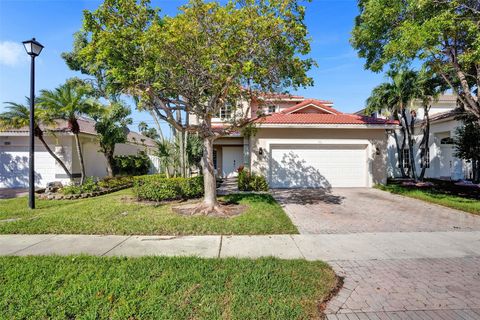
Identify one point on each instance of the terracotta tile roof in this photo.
(299, 118)
(279, 96)
(318, 103)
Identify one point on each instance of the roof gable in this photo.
(311, 106)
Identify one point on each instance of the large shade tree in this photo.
(207, 57)
(444, 35)
(18, 116)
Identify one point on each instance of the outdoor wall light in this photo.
(260, 151)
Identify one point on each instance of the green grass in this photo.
(84, 287)
(109, 214)
(455, 202)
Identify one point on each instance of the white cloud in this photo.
(11, 53)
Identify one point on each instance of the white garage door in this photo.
(14, 167)
(314, 166)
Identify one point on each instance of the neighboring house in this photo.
(306, 143)
(14, 154)
(441, 164)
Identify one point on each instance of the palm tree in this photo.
(394, 96)
(18, 116)
(429, 87)
(69, 102)
(111, 126)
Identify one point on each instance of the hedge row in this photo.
(158, 188)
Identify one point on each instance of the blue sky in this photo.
(339, 77)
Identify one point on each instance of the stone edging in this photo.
(59, 196)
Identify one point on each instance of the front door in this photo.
(232, 160)
(446, 161)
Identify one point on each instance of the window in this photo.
(446, 140)
(425, 158)
(272, 109)
(225, 112)
(406, 158)
(215, 159)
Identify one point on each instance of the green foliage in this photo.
(115, 182)
(131, 165)
(159, 188)
(248, 181)
(467, 145)
(111, 126)
(442, 35)
(199, 60)
(467, 141)
(440, 198)
(90, 185)
(194, 150)
(120, 288)
(69, 101)
(115, 213)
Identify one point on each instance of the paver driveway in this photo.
(351, 210)
(397, 286)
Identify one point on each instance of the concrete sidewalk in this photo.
(327, 247)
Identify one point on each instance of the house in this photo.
(303, 143)
(441, 161)
(14, 148)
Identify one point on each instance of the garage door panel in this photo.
(14, 167)
(313, 166)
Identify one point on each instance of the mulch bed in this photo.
(227, 210)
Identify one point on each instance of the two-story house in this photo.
(305, 143)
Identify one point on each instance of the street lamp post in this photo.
(33, 49)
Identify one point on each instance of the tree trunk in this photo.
(425, 145)
(399, 153)
(404, 139)
(80, 157)
(210, 185)
(410, 145)
(60, 162)
(110, 160)
(182, 153)
(476, 170)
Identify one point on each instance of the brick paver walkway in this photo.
(408, 289)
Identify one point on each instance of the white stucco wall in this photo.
(374, 139)
(14, 158)
(439, 154)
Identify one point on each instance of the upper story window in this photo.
(225, 112)
(272, 109)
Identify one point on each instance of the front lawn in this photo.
(451, 201)
(162, 288)
(112, 214)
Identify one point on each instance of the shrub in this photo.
(248, 181)
(90, 185)
(114, 182)
(132, 165)
(243, 180)
(158, 188)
